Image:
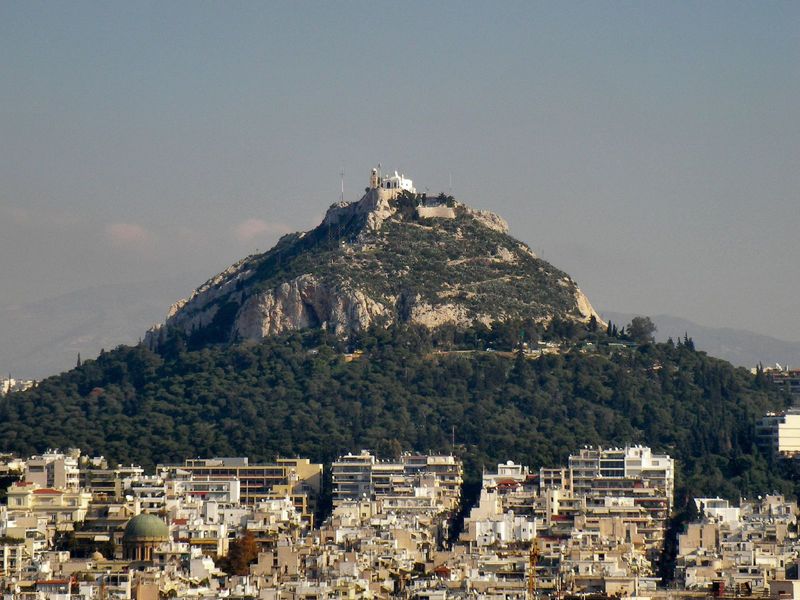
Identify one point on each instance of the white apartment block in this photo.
(508, 473)
(148, 491)
(591, 466)
(352, 477)
(780, 433)
(54, 469)
(364, 477)
(225, 490)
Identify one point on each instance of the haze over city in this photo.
(650, 151)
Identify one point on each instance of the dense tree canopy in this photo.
(303, 394)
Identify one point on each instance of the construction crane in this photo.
(533, 559)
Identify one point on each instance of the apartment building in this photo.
(54, 469)
(779, 433)
(103, 481)
(602, 472)
(362, 476)
(12, 557)
(61, 507)
(785, 379)
(297, 478)
(747, 547)
(352, 477)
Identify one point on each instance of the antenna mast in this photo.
(342, 175)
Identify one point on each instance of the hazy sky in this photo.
(649, 149)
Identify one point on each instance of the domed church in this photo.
(142, 535)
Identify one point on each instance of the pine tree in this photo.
(687, 341)
(760, 379)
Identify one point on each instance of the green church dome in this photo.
(145, 526)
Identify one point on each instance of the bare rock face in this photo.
(434, 316)
(585, 308)
(374, 208)
(199, 309)
(489, 219)
(302, 303)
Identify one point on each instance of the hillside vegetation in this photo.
(407, 388)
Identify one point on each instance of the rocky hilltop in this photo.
(389, 257)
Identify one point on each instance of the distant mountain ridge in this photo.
(737, 346)
(384, 259)
(42, 338)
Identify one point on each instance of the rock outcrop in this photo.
(305, 302)
(489, 219)
(372, 207)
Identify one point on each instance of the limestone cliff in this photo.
(381, 261)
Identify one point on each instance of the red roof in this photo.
(180, 521)
(50, 491)
(507, 482)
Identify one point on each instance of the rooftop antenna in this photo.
(451, 184)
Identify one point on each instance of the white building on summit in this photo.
(391, 186)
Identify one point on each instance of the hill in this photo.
(385, 259)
